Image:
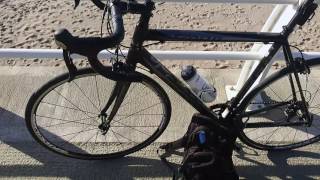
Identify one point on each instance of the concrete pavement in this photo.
(22, 158)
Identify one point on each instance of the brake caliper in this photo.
(300, 63)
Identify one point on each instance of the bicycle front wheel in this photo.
(65, 117)
(272, 111)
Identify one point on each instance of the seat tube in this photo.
(289, 61)
(288, 55)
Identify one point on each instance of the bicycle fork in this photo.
(117, 97)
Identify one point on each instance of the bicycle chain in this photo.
(270, 102)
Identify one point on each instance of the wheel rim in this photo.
(56, 127)
(283, 137)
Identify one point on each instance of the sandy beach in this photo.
(32, 23)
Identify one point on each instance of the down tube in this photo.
(164, 74)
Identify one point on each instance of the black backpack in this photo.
(204, 157)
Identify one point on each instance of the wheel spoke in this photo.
(265, 134)
(276, 94)
(129, 93)
(64, 111)
(137, 97)
(74, 136)
(267, 141)
(293, 132)
(71, 103)
(87, 142)
(132, 127)
(315, 95)
(139, 111)
(140, 114)
(78, 132)
(66, 121)
(44, 102)
(85, 95)
(124, 137)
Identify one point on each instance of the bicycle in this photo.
(102, 123)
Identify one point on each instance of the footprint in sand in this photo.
(31, 36)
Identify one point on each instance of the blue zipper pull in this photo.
(202, 137)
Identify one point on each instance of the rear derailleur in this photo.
(297, 109)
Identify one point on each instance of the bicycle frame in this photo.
(138, 54)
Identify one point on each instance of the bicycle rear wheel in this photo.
(65, 116)
(273, 118)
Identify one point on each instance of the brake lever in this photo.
(76, 3)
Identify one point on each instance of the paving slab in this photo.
(22, 158)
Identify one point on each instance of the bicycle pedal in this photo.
(163, 153)
(237, 147)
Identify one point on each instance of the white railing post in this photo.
(280, 16)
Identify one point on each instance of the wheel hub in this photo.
(105, 125)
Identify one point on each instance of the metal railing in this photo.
(280, 16)
(161, 55)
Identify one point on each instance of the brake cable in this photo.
(118, 52)
(105, 10)
(302, 61)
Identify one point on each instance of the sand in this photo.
(32, 23)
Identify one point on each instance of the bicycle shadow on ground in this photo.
(21, 156)
(292, 164)
(278, 115)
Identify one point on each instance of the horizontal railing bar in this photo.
(174, 55)
(205, 55)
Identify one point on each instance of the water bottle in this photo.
(198, 84)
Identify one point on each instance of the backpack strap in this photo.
(167, 150)
(171, 167)
(171, 147)
(197, 160)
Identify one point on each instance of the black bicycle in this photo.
(112, 111)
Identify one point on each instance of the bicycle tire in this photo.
(54, 139)
(272, 138)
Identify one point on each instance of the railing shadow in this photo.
(294, 164)
(29, 159)
(278, 115)
(44, 163)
